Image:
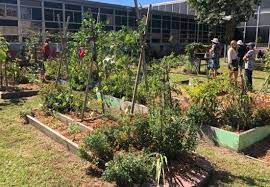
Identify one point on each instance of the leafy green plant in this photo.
(261, 117)
(24, 114)
(161, 163)
(193, 48)
(57, 98)
(128, 169)
(98, 143)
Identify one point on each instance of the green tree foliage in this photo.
(215, 12)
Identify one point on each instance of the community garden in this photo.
(116, 116)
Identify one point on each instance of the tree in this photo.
(226, 12)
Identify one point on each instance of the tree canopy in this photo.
(216, 11)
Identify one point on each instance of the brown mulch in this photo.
(60, 127)
(260, 150)
(92, 119)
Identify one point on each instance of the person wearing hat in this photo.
(233, 61)
(249, 59)
(241, 51)
(214, 57)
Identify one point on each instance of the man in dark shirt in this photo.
(241, 51)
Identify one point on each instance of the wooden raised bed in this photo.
(199, 177)
(236, 141)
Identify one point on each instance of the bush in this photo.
(58, 98)
(98, 143)
(128, 170)
(51, 67)
(261, 117)
(78, 76)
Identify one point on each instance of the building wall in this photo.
(256, 29)
(176, 25)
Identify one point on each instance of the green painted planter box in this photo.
(121, 105)
(237, 141)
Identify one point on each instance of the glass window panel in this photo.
(106, 19)
(26, 13)
(48, 14)
(11, 11)
(265, 19)
(166, 17)
(169, 8)
(265, 4)
(162, 7)
(263, 35)
(73, 7)
(36, 14)
(108, 28)
(239, 33)
(53, 5)
(77, 17)
(70, 15)
(74, 26)
(6, 22)
(106, 11)
(90, 9)
(156, 16)
(132, 21)
(2, 10)
(156, 23)
(175, 25)
(166, 24)
(9, 1)
(31, 2)
(176, 7)
(183, 8)
(60, 13)
(51, 25)
(121, 12)
(250, 34)
(132, 13)
(252, 21)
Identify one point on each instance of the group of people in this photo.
(241, 58)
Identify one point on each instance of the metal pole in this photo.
(257, 28)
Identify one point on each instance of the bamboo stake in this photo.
(141, 59)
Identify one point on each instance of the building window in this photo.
(2, 10)
(6, 22)
(263, 35)
(106, 19)
(77, 17)
(183, 8)
(9, 1)
(11, 11)
(73, 7)
(252, 21)
(48, 14)
(265, 4)
(264, 19)
(176, 8)
(70, 15)
(132, 22)
(26, 13)
(53, 5)
(121, 20)
(169, 8)
(239, 33)
(106, 11)
(36, 14)
(250, 34)
(56, 13)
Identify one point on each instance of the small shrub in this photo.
(129, 169)
(24, 114)
(98, 143)
(74, 129)
(57, 98)
(261, 117)
(52, 67)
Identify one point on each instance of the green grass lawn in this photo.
(28, 158)
(258, 76)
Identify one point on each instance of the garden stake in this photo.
(141, 60)
(63, 42)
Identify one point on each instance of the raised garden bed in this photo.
(122, 105)
(191, 171)
(236, 141)
(21, 90)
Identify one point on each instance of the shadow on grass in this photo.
(225, 177)
(10, 102)
(260, 149)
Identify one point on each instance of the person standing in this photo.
(249, 59)
(241, 51)
(214, 53)
(46, 54)
(233, 61)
